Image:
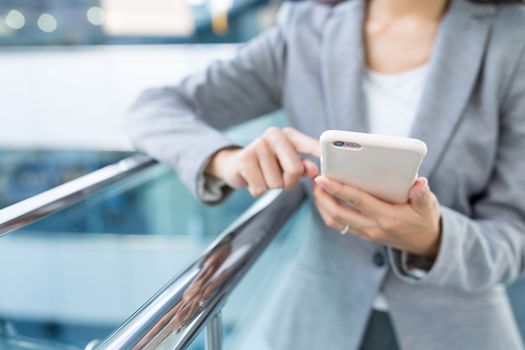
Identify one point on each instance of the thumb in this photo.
(420, 196)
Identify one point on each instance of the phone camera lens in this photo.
(339, 143)
(354, 145)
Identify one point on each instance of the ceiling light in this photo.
(47, 23)
(15, 19)
(96, 16)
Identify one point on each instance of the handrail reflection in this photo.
(178, 312)
(49, 202)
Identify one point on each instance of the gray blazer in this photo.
(472, 117)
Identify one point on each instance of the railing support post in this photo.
(213, 339)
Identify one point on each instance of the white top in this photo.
(392, 101)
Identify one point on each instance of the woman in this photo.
(425, 275)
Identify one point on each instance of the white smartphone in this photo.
(384, 166)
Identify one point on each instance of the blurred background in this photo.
(69, 69)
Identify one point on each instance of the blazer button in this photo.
(379, 259)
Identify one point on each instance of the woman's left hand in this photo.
(413, 227)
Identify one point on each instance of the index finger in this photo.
(360, 200)
(303, 143)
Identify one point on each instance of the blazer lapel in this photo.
(342, 64)
(454, 67)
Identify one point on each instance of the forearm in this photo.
(163, 125)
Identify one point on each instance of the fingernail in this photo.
(424, 190)
(322, 182)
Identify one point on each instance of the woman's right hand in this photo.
(271, 161)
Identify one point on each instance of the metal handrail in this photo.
(49, 202)
(178, 312)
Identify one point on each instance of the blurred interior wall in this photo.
(77, 98)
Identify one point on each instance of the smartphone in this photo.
(383, 166)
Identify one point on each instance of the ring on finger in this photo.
(345, 229)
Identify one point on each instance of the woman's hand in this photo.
(413, 227)
(271, 161)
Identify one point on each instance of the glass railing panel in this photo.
(76, 275)
(250, 307)
(81, 272)
(179, 311)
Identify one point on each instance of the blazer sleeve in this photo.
(179, 125)
(488, 249)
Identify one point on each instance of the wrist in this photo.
(432, 248)
(218, 160)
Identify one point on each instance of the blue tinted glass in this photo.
(94, 22)
(25, 173)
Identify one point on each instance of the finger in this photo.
(209, 289)
(252, 174)
(328, 220)
(310, 168)
(176, 309)
(339, 213)
(419, 185)
(303, 143)
(214, 284)
(269, 165)
(195, 305)
(420, 196)
(204, 276)
(358, 199)
(183, 312)
(238, 182)
(287, 156)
